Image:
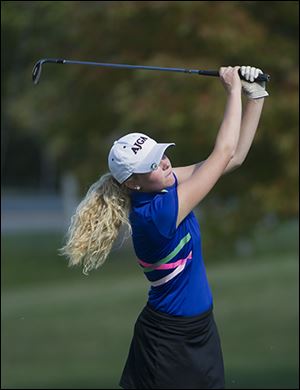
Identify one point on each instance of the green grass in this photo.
(61, 329)
(256, 307)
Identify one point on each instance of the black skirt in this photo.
(169, 352)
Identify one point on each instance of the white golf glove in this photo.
(253, 90)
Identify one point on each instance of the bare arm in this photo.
(256, 92)
(249, 126)
(202, 180)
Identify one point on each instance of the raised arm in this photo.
(255, 93)
(250, 120)
(202, 180)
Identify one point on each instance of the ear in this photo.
(130, 183)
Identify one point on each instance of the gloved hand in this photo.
(253, 90)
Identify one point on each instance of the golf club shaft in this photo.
(37, 68)
(126, 66)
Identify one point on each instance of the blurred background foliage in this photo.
(67, 124)
(69, 121)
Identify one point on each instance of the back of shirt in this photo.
(170, 257)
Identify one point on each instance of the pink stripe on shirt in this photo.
(166, 266)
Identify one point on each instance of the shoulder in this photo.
(156, 212)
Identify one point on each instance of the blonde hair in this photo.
(96, 223)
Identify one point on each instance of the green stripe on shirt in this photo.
(174, 252)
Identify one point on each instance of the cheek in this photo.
(155, 180)
(157, 176)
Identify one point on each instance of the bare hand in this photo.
(230, 79)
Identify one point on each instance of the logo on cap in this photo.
(138, 144)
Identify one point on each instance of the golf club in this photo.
(37, 69)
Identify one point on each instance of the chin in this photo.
(170, 180)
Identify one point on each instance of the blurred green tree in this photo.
(76, 112)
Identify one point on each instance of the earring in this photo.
(137, 188)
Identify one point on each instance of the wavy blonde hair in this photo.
(96, 223)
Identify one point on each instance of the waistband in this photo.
(151, 314)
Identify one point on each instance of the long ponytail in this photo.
(96, 224)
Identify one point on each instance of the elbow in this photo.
(236, 162)
(233, 164)
(239, 159)
(227, 150)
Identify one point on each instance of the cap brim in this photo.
(153, 157)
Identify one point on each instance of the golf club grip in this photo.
(261, 76)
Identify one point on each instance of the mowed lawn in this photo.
(61, 329)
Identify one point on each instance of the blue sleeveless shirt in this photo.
(170, 258)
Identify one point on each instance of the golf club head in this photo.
(37, 69)
(36, 72)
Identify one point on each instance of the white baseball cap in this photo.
(134, 153)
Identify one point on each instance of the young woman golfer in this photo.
(175, 343)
